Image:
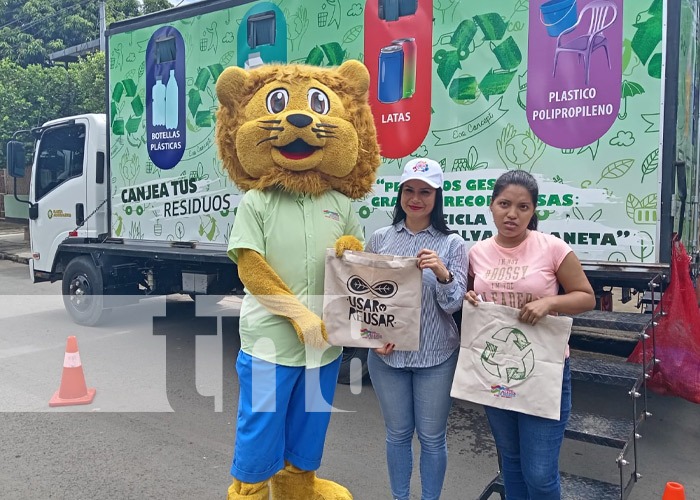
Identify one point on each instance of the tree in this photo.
(89, 78)
(33, 95)
(31, 90)
(30, 30)
(150, 6)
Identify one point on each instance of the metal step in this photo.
(604, 369)
(572, 488)
(584, 488)
(629, 336)
(600, 430)
(611, 320)
(614, 342)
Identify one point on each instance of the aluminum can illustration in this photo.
(390, 84)
(409, 65)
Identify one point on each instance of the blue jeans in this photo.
(414, 399)
(529, 448)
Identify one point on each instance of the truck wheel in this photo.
(348, 373)
(82, 288)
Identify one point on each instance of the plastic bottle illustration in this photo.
(171, 102)
(158, 104)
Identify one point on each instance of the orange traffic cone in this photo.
(674, 491)
(73, 390)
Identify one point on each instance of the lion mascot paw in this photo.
(301, 142)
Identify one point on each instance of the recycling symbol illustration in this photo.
(332, 51)
(127, 108)
(466, 88)
(509, 356)
(201, 99)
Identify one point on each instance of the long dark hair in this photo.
(523, 179)
(437, 218)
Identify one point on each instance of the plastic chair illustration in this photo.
(603, 14)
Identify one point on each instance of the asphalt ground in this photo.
(14, 242)
(163, 421)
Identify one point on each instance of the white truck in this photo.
(598, 99)
(135, 202)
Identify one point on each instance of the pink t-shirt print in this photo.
(515, 276)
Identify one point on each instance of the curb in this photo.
(14, 258)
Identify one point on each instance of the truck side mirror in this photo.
(15, 158)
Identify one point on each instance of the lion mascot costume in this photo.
(301, 142)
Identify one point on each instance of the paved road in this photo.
(162, 423)
(13, 245)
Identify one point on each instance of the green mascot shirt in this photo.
(291, 232)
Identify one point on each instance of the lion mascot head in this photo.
(301, 128)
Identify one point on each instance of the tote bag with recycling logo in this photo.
(508, 364)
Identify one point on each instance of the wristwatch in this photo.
(449, 279)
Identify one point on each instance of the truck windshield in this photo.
(60, 158)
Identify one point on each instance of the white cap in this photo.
(423, 169)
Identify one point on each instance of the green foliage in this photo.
(150, 6)
(33, 95)
(89, 78)
(32, 91)
(33, 29)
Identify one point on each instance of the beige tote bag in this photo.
(370, 300)
(508, 364)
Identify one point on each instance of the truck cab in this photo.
(75, 229)
(68, 183)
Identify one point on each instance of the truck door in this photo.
(58, 190)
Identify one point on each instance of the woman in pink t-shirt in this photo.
(524, 268)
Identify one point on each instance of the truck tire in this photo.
(82, 289)
(347, 375)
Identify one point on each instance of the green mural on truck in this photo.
(602, 198)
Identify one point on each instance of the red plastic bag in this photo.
(677, 335)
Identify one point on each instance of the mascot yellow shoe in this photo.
(292, 483)
(256, 491)
(300, 141)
